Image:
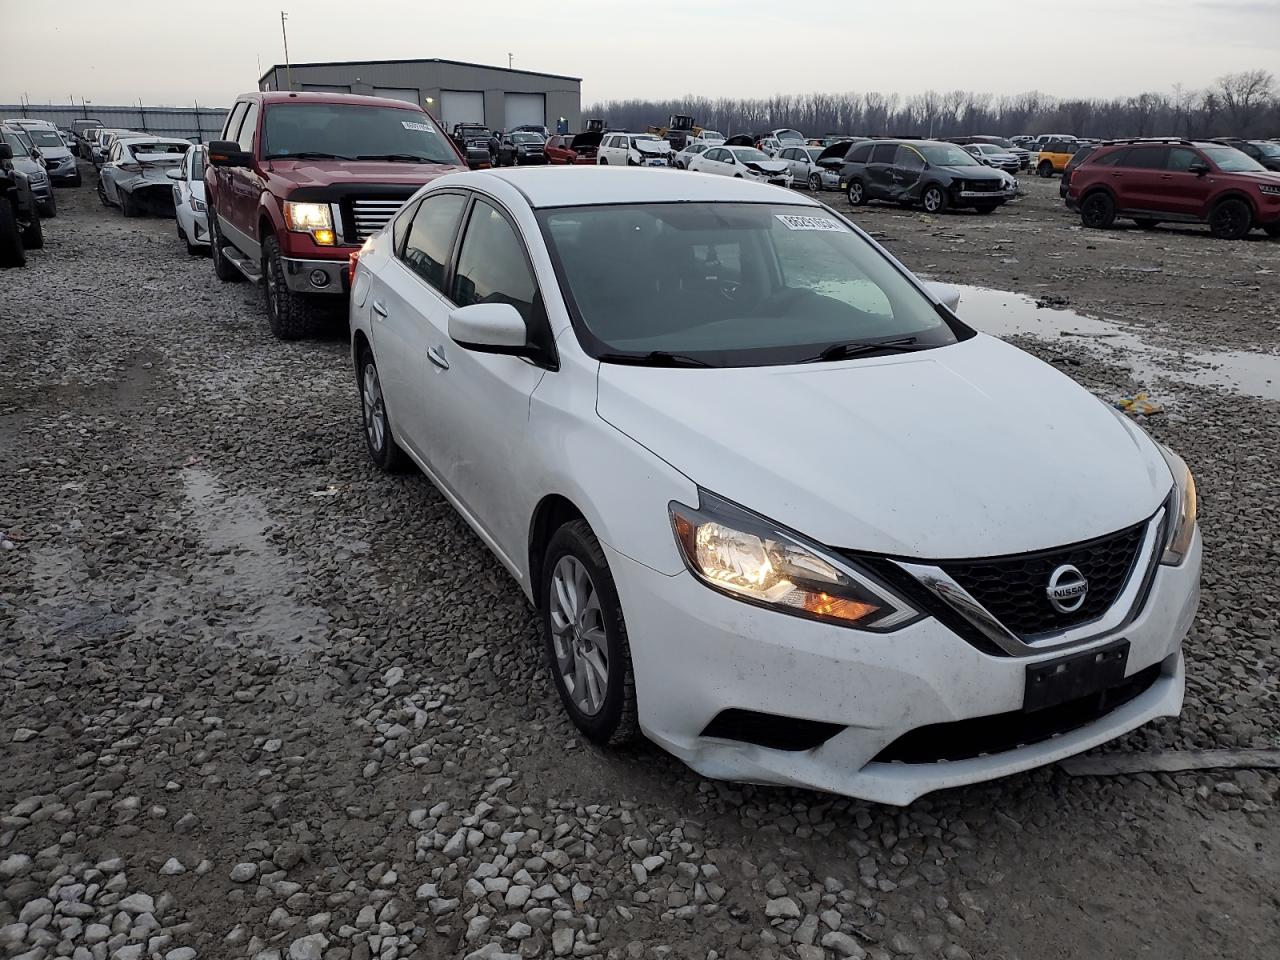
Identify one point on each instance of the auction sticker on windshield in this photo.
(411, 125)
(808, 223)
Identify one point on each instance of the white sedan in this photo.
(745, 163)
(189, 207)
(799, 526)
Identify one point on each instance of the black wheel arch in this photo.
(1235, 194)
(552, 512)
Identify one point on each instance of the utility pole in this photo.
(509, 60)
(288, 70)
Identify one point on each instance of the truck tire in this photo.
(33, 236)
(223, 268)
(291, 316)
(11, 251)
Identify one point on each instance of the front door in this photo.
(246, 187)
(482, 399)
(1179, 190)
(879, 171)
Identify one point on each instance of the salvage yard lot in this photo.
(286, 697)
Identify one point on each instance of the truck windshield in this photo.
(352, 131)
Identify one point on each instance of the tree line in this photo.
(1245, 104)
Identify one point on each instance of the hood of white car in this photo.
(971, 450)
(655, 147)
(769, 166)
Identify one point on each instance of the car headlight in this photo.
(312, 218)
(199, 206)
(1269, 189)
(752, 559)
(1182, 522)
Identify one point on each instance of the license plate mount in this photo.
(1057, 681)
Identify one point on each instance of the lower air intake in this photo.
(770, 730)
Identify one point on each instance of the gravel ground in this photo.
(259, 700)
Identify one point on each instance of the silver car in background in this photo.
(994, 156)
(189, 207)
(135, 174)
(25, 162)
(59, 162)
(808, 168)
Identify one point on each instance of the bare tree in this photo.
(1246, 95)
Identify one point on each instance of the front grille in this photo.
(1013, 588)
(368, 215)
(770, 730)
(992, 185)
(1000, 732)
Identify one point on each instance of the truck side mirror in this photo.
(227, 153)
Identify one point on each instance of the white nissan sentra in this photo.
(778, 508)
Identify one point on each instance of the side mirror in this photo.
(945, 293)
(490, 328)
(6, 151)
(173, 174)
(1199, 168)
(227, 153)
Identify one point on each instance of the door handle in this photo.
(380, 310)
(1116, 175)
(436, 356)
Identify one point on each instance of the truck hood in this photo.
(325, 173)
(971, 450)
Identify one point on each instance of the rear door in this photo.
(482, 399)
(1141, 177)
(410, 305)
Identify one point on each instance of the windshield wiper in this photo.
(654, 358)
(306, 155)
(395, 157)
(853, 348)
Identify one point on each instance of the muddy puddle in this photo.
(1005, 314)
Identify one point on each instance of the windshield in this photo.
(749, 154)
(15, 141)
(45, 138)
(1267, 148)
(1231, 160)
(787, 135)
(730, 284)
(353, 132)
(526, 138)
(946, 155)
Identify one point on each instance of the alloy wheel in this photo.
(578, 636)
(375, 411)
(932, 200)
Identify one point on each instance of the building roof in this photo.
(455, 63)
(573, 186)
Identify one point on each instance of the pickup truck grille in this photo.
(368, 216)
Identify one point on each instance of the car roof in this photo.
(590, 186)
(284, 96)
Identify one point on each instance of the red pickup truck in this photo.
(299, 180)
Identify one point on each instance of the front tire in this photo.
(33, 235)
(223, 268)
(1231, 219)
(1045, 169)
(1098, 211)
(49, 208)
(379, 440)
(291, 315)
(934, 199)
(585, 637)
(857, 193)
(11, 252)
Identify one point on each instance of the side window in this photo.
(426, 251)
(492, 267)
(1181, 159)
(908, 159)
(883, 153)
(400, 226)
(1116, 158)
(859, 154)
(249, 128)
(715, 154)
(232, 129)
(1147, 158)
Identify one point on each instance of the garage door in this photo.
(525, 108)
(461, 106)
(326, 88)
(398, 93)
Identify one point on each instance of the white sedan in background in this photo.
(693, 148)
(189, 207)
(746, 163)
(799, 525)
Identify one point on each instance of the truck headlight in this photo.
(1182, 523)
(312, 218)
(755, 560)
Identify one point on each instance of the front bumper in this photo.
(316, 276)
(41, 190)
(697, 653)
(64, 170)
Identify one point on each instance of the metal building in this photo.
(452, 91)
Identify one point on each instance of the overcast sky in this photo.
(116, 51)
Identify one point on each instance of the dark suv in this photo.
(1266, 152)
(1183, 181)
(935, 175)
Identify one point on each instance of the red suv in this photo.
(1183, 181)
(299, 180)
